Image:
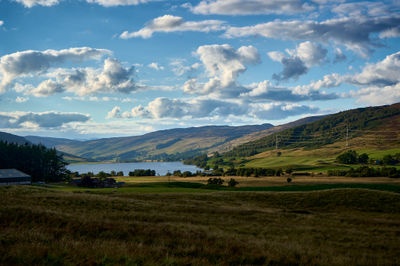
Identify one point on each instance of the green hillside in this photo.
(364, 127)
(173, 144)
(263, 133)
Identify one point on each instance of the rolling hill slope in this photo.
(173, 144)
(50, 142)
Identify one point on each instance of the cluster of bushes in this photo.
(95, 182)
(351, 157)
(41, 163)
(100, 175)
(142, 172)
(391, 159)
(179, 173)
(365, 171)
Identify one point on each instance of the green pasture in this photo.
(320, 160)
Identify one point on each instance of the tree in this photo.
(102, 175)
(289, 180)
(177, 173)
(363, 158)
(232, 182)
(41, 163)
(279, 172)
(279, 154)
(349, 157)
(388, 159)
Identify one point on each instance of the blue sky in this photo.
(101, 68)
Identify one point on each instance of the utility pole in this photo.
(276, 142)
(347, 135)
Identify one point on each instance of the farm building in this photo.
(14, 177)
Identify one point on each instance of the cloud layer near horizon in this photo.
(48, 119)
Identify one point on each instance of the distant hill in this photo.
(11, 138)
(172, 144)
(50, 142)
(364, 127)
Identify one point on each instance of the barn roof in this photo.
(7, 173)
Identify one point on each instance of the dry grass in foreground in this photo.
(331, 227)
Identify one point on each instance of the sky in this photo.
(87, 69)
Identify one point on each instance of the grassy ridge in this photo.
(332, 227)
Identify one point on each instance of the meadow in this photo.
(314, 160)
(174, 223)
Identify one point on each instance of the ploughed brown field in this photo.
(45, 225)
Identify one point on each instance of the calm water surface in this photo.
(161, 168)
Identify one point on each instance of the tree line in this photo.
(41, 163)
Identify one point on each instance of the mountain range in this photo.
(359, 125)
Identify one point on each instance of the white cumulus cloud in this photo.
(278, 110)
(169, 23)
(155, 66)
(112, 78)
(249, 7)
(31, 3)
(24, 63)
(179, 108)
(20, 99)
(223, 65)
(108, 3)
(200, 108)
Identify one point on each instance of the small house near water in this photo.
(14, 177)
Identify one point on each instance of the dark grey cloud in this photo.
(292, 68)
(299, 60)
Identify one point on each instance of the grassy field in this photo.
(58, 225)
(316, 160)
